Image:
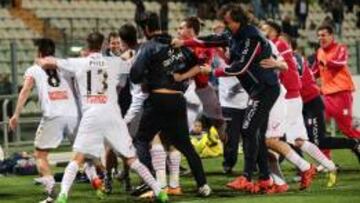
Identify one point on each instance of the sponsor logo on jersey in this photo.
(97, 99)
(58, 95)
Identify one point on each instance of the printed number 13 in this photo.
(103, 80)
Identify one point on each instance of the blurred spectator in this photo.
(358, 19)
(337, 11)
(288, 28)
(312, 34)
(350, 5)
(258, 9)
(5, 3)
(5, 84)
(273, 9)
(164, 11)
(302, 11)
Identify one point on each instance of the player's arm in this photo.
(138, 98)
(139, 67)
(205, 41)
(272, 62)
(53, 63)
(339, 60)
(248, 52)
(23, 96)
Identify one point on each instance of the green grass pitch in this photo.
(16, 189)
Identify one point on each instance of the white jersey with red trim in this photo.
(97, 77)
(54, 91)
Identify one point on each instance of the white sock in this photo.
(174, 168)
(316, 154)
(298, 161)
(158, 158)
(49, 183)
(90, 171)
(277, 179)
(69, 177)
(145, 174)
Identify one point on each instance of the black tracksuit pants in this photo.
(314, 117)
(232, 118)
(253, 130)
(166, 113)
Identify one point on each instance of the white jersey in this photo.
(97, 77)
(54, 91)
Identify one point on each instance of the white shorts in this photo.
(210, 102)
(106, 127)
(277, 117)
(295, 126)
(51, 131)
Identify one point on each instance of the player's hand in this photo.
(127, 55)
(46, 63)
(223, 137)
(269, 63)
(13, 122)
(177, 42)
(205, 69)
(178, 77)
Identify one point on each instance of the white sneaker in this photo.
(204, 191)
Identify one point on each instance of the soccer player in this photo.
(296, 133)
(119, 43)
(97, 77)
(313, 111)
(189, 29)
(58, 107)
(336, 83)
(153, 68)
(247, 48)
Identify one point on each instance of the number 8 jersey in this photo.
(97, 77)
(54, 88)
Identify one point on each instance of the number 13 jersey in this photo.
(54, 88)
(97, 77)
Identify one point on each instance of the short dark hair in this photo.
(274, 25)
(150, 20)
(112, 35)
(327, 27)
(194, 23)
(237, 13)
(128, 34)
(95, 41)
(46, 46)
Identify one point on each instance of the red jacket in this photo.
(331, 65)
(309, 89)
(289, 78)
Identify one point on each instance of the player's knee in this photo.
(41, 154)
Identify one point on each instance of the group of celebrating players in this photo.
(267, 95)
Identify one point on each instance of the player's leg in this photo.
(117, 130)
(315, 124)
(175, 126)
(158, 158)
(48, 136)
(233, 117)
(256, 117)
(174, 160)
(69, 176)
